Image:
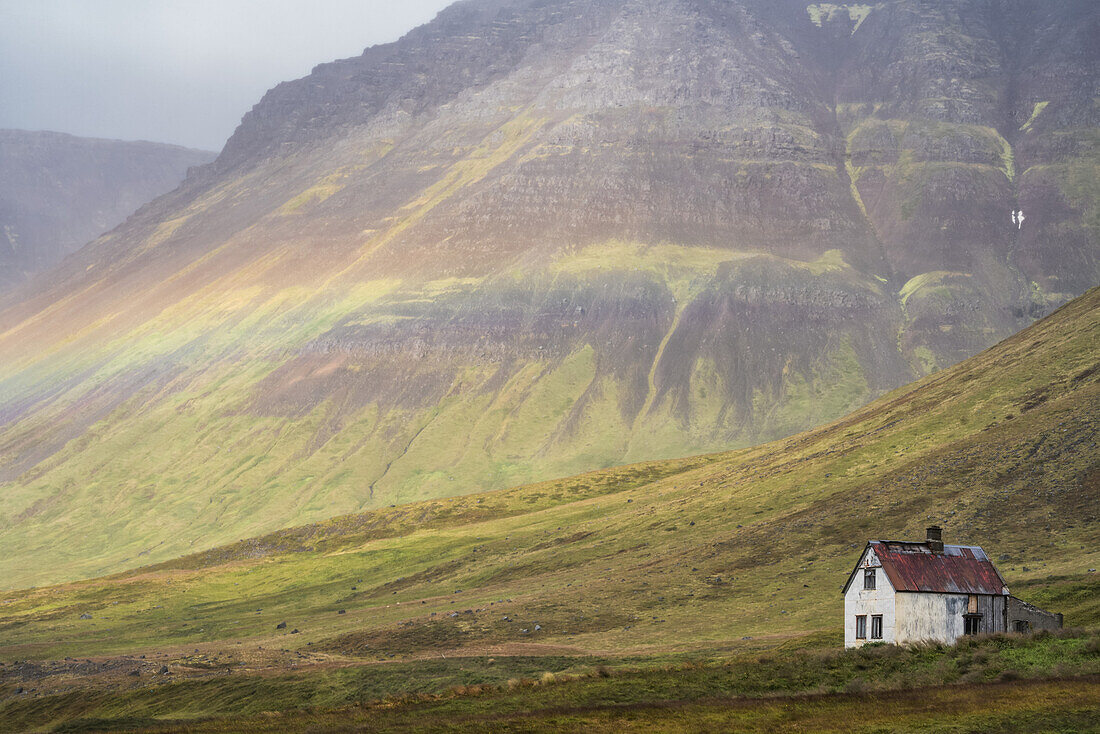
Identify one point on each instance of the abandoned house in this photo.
(905, 592)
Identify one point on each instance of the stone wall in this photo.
(1020, 613)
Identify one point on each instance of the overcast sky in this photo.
(175, 71)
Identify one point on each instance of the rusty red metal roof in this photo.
(959, 569)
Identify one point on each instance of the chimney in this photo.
(935, 539)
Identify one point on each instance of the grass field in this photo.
(984, 682)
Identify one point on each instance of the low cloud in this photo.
(176, 71)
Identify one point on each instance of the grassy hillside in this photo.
(194, 432)
(711, 556)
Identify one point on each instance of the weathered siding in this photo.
(930, 617)
(879, 600)
(993, 608)
(924, 617)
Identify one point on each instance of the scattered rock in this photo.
(281, 626)
(342, 611)
(135, 673)
(163, 670)
(295, 631)
(538, 627)
(85, 616)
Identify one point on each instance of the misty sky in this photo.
(175, 71)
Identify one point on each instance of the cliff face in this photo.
(58, 192)
(532, 238)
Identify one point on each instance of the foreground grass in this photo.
(555, 692)
(1054, 706)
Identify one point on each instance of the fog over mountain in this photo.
(175, 71)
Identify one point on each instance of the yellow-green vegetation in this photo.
(703, 558)
(926, 282)
(313, 195)
(226, 443)
(675, 264)
(853, 179)
(826, 12)
(1035, 112)
(913, 150)
(471, 167)
(838, 390)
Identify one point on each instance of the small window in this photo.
(972, 624)
(869, 578)
(876, 627)
(1023, 626)
(861, 626)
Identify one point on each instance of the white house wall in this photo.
(930, 617)
(879, 600)
(927, 617)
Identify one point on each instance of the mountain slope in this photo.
(692, 554)
(534, 238)
(58, 192)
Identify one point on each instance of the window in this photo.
(861, 626)
(876, 627)
(869, 578)
(1023, 626)
(972, 624)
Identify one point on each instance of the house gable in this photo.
(875, 605)
(868, 559)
